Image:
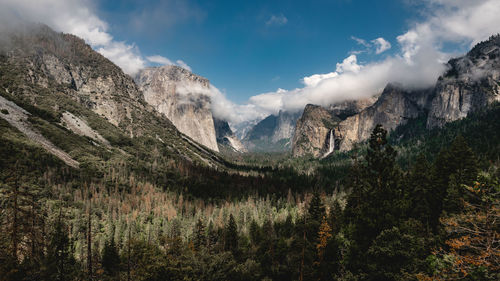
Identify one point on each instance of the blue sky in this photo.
(242, 50)
(265, 56)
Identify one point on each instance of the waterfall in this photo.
(331, 145)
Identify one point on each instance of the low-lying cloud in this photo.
(419, 61)
(157, 59)
(78, 17)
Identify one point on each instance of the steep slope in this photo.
(178, 94)
(317, 132)
(312, 130)
(472, 82)
(273, 133)
(226, 138)
(394, 107)
(54, 76)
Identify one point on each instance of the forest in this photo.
(421, 205)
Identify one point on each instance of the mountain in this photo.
(394, 107)
(81, 107)
(179, 95)
(273, 133)
(226, 138)
(314, 128)
(472, 82)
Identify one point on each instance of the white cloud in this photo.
(183, 65)
(223, 108)
(124, 55)
(314, 79)
(78, 17)
(381, 44)
(159, 60)
(165, 61)
(277, 20)
(418, 63)
(349, 64)
(361, 41)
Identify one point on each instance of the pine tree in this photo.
(255, 235)
(462, 169)
(212, 237)
(377, 200)
(200, 238)
(316, 209)
(231, 236)
(111, 258)
(59, 263)
(421, 197)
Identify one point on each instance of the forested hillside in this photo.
(97, 185)
(436, 219)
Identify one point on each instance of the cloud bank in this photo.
(78, 17)
(417, 63)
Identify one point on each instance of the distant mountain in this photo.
(273, 133)
(226, 139)
(178, 94)
(471, 82)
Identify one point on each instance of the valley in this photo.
(111, 176)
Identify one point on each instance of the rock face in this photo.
(273, 133)
(312, 130)
(225, 136)
(317, 126)
(393, 108)
(180, 96)
(471, 83)
(92, 80)
(63, 77)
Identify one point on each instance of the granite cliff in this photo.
(471, 82)
(315, 127)
(181, 96)
(58, 82)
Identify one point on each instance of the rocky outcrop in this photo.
(317, 132)
(394, 107)
(58, 75)
(471, 83)
(273, 133)
(312, 130)
(226, 138)
(18, 118)
(181, 96)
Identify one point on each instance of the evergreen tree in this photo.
(231, 236)
(462, 169)
(421, 197)
(200, 238)
(316, 208)
(212, 237)
(111, 258)
(255, 235)
(59, 263)
(377, 201)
